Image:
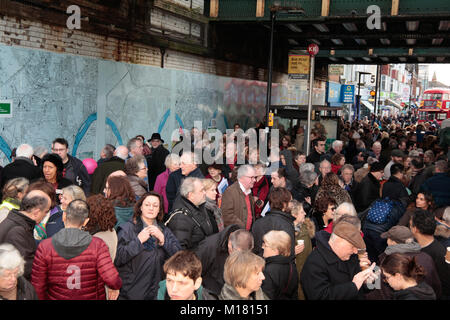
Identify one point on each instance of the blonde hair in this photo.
(296, 206)
(278, 240)
(239, 267)
(209, 183)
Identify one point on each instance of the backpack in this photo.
(380, 210)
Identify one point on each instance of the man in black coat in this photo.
(394, 188)
(188, 168)
(214, 250)
(419, 177)
(104, 169)
(318, 151)
(22, 166)
(276, 219)
(368, 190)
(189, 221)
(156, 159)
(18, 227)
(74, 169)
(332, 271)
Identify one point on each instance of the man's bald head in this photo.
(36, 204)
(121, 152)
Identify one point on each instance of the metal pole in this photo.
(269, 76)
(358, 97)
(311, 82)
(377, 88)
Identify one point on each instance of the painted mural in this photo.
(61, 95)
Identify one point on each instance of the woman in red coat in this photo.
(73, 265)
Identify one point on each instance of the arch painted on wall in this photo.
(163, 121)
(4, 147)
(85, 126)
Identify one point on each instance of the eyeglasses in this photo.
(58, 150)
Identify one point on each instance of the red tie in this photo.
(249, 212)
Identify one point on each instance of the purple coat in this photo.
(160, 187)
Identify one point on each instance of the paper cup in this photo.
(447, 256)
(300, 242)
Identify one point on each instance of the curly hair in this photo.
(330, 179)
(321, 204)
(102, 216)
(132, 165)
(122, 194)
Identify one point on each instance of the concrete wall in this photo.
(92, 101)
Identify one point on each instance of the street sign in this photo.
(6, 108)
(347, 93)
(313, 49)
(298, 67)
(372, 93)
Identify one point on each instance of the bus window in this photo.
(445, 96)
(441, 116)
(430, 116)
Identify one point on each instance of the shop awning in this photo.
(368, 105)
(393, 103)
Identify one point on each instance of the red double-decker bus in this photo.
(435, 104)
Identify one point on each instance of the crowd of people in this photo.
(363, 216)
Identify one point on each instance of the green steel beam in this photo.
(245, 10)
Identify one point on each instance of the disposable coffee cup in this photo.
(447, 256)
(300, 242)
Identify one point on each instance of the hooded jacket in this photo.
(412, 249)
(420, 292)
(73, 265)
(326, 277)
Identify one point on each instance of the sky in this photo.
(442, 72)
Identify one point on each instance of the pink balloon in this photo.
(90, 165)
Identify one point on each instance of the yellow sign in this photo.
(270, 119)
(298, 64)
(372, 93)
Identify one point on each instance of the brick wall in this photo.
(36, 35)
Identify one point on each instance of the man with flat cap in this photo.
(156, 159)
(332, 271)
(401, 240)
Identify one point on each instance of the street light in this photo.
(358, 96)
(274, 9)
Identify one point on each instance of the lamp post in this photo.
(358, 96)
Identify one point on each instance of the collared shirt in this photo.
(246, 192)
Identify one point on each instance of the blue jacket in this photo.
(140, 266)
(439, 186)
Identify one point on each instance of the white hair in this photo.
(24, 150)
(344, 208)
(192, 157)
(378, 143)
(337, 143)
(325, 161)
(171, 159)
(10, 258)
(306, 167)
(188, 185)
(243, 170)
(308, 177)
